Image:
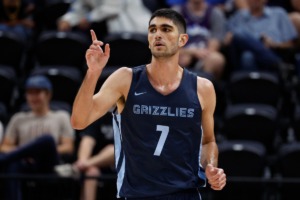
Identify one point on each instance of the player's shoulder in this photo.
(127, 72)
(120, 75)
(204, 83)
(123, 71)
(205, 86)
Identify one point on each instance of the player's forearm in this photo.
(209, 154)
(83, 104)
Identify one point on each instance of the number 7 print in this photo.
(162, 139)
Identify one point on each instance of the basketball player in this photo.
(165, 146)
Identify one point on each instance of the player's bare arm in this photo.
(88, 107)
(113, 92)
(207, 97)
(209, 157)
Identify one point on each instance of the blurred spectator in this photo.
(293, 8)
(229, 6)
(96, 152)
(16, 16)
(34, 141)
(89, 14)
(258, 35)
(296, 5)
(294, 14)
(206, 29)
(106, 16)
(153, 5)
(95, 156)
(172, 3)
(134, 17)
(288, 5)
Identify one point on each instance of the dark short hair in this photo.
(171, 14)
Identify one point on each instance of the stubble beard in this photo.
(163, 54)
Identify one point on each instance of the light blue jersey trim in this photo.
(199, 161)
(118, 146)
(200, 198)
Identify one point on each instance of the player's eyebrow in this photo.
(162, 25)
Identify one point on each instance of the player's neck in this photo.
(164, 78)
(164, 73)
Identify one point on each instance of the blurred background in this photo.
(257, 117)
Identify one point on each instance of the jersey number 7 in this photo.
(162, 139)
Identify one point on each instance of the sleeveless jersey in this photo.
(158, 139)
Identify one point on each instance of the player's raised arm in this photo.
(84, 111)
(96, 58)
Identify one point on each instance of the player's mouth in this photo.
(158, 44)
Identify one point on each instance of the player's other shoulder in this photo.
(206, 93)
(204, 85)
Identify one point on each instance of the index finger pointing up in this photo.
(93, 34)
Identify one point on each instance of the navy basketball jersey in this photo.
(157, 139)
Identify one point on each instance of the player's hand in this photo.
(97, 58)
(216, 177)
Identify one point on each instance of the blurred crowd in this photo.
(225, 36)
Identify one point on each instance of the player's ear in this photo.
(183, 38)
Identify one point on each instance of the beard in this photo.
(163, 54)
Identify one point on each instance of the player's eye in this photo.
(152, 30)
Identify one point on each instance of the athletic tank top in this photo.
(158, 139)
